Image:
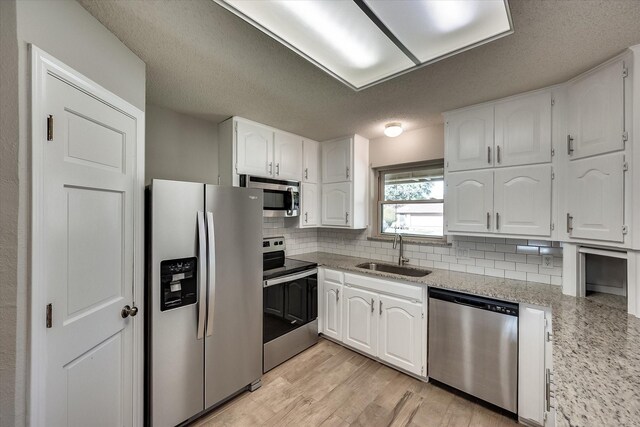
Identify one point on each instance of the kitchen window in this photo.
(411, 200)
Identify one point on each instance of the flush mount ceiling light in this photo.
(365, 42)
(393, 129)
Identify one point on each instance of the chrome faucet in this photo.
(401, 259)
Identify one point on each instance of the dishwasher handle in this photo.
(481, 303)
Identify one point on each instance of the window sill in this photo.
(425, 241)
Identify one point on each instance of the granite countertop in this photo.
(596, 344)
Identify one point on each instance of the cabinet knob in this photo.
(277, 168)
(372, 302)
(306, 217)
(346, 217)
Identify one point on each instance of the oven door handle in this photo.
(293, 202)
(290, 278)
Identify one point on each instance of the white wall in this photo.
(180, 147)
(413, 146)
(68, 32)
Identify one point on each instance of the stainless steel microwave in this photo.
(281, 198)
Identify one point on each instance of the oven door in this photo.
(289, 302)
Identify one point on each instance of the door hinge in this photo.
(553, 152)
(625, 229)
(49, 127)
(553, 175)
(625, 166)
(553, 101)
(423, 315)
(235, 126)
(422, 370)
(553, 226)
(625, 72)
(625, 136)
(49, 316)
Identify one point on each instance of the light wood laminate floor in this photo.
(329, 385)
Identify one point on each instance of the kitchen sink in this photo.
(395, 269)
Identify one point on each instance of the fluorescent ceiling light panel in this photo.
(335, 35)
(364, 42)
(432, 29)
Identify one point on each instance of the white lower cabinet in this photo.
(536, 405)
(360, 320)
(331, 310)
(400, 337)
(388, 327)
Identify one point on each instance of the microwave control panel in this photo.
(178, 282)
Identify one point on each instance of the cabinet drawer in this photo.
(410, 292)
(334, 276)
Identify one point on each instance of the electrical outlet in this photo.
(462, 253)
(547, 261)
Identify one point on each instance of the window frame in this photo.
(380, 202)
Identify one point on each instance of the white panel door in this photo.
(468, 201)
(310, 161)
(360, 320)
(336, 204)
(469, 139)
(596, 112)
(332, 309)
(336, 161)
(522, 200)
(523, 130)
(254, 149)
(89, 172)
(310, 205)
(595, 190)
(287, 156)
(400, 341)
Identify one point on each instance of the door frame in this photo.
(43, 64)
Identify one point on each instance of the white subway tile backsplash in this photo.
(493, 256)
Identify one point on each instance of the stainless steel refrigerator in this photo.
(204, 297)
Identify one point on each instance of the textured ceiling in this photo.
(204, 61)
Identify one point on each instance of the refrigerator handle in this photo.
(202, 274)
(211, 277)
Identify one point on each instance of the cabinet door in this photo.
(469, 139)
(360, 320)
(400, 335)
(287, 156)
(336, 161)
(336, 204)
(331, 307)
(531, 364)
(310, 161)
(310, 205)
(468, 201)
(254, 150)
(523, 130)
(522, 200)
(595, 190)
(596, 112)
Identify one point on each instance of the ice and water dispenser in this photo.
(178, 282)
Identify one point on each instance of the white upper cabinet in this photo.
(254, 149)
(360, 320)
(596, 198)
(310, 161)
(596, 112)
(287, 156)
(523, 130)
(337, 161)
(400, 338)
(522, 200)
(469, 139)
(309, 205)
(469, 201)
(336, 204)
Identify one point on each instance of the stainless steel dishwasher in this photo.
(473, 346)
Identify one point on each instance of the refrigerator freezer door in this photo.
(176, 357)
(233, 342)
